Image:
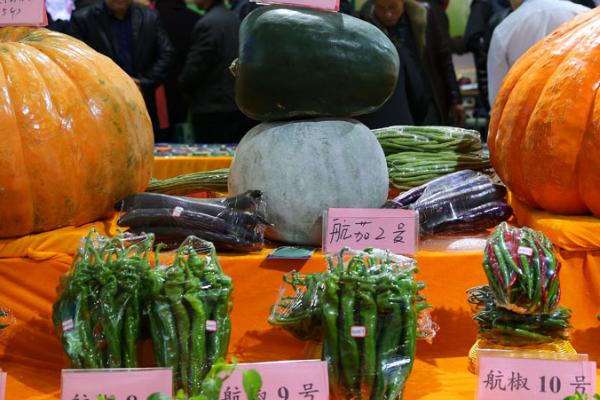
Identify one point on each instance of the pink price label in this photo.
(358, 228)
(68, 325)
(506, 378)
(23, 13)
(358, 331)
(2, 385)
(327, 5)
(123, 384)
(211, 325)
(525, 251)
(291, 380)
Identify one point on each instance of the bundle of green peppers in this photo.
(112, 298)
(498, 324)
(188, 307)
(98, 312)
(522, 269)
(368, 304)
(520, 306)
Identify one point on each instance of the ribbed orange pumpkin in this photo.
(75, 135)
(545, 129)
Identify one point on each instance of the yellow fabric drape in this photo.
(30, 268)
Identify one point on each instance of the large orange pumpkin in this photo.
(545, 129)
(75, 135)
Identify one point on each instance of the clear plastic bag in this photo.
(98, 311)
(520, 304)
(112, 298)
(394, 139)
(298, 309)
(232, 223)
(188, 311)
(522, 270)
(368, 310)
(458, 203)
(370, 313)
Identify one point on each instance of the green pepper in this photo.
(174, 292)
(368, 319)
(349, 351)
(331, 348)
(198, 339)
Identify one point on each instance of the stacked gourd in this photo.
(296, 63)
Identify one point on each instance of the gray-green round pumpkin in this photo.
(305, 167)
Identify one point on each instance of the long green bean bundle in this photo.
(395, 139)
(418, 154)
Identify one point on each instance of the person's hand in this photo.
(457, 115)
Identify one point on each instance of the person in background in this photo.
(530, 22)
(179, 21)
(206, 80)
(427, 73)
(485, 15)
(134, 38)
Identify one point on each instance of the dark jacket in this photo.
(438, 59)
(153, 53)
(179, 22)
(206, 78)
(485, 15)
(429, 52)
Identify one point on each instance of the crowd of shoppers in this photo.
(179, 55)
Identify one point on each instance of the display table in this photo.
(171, 159)
(168, 167)
(577, 239)
(30, 268)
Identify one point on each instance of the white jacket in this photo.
(523, 28)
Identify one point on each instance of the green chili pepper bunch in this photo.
(374, 291)
(371, 293)
(300, 312)
(188, 308)
(497, 324)
(522, 269)
(112, 292)
(520, 305)
(98, 312)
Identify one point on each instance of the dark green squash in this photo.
(296, 62)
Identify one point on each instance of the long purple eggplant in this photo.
(480, 218)
(409, 197)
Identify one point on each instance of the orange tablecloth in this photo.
(168, 167)
(33, 357)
